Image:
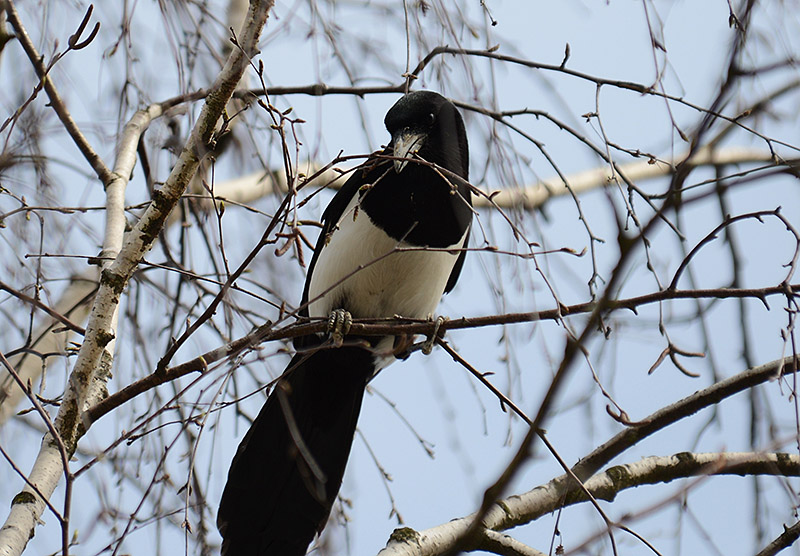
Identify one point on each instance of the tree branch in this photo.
(56, 101)
(542, 500)
(251, 187)
(247, 189)
(505, 545)
(87, 381)
(388, 327)
(784, 540)
(72, 303)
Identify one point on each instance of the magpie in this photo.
(392, 243)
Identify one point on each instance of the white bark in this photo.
(524, 508)
(31, 368)
(534, 195)
(246, 189)
(87, 380)
(500, 543)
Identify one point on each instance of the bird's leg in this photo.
(339, 322)
(427, 346)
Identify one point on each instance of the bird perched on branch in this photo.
(393, 241)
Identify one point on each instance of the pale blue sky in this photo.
(473, 439)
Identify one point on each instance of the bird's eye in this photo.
(431, 118)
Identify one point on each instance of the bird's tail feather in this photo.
(288, 469)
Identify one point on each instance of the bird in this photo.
(393, 241)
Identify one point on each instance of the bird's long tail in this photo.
(288, 469)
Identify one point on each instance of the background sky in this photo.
(466, 439)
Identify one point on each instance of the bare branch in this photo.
(254, 186)
(74, 302)
(542, 500)
(91, 156)
(87, 381)
(784, 540)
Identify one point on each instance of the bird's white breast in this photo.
(361, 270)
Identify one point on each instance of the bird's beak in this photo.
(405, 144)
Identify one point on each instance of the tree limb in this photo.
(246, 189)
(56, 101)
(72, 303)
(542, 500)
(385, 327)
(86, 382)
(784, 540)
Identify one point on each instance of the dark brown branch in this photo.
(690, 405)
(56, 101)
(728, 220)
(320, 89)
(385, 327)
(231, 280)
(39, 305)
(784, 540)
(599, 81)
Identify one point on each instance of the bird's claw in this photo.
(339, 322)
(427, 346)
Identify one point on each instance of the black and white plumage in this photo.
(391, 244)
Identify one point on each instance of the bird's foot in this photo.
(339, 322)
(427, 346)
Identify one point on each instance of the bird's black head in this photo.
(426, 124)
